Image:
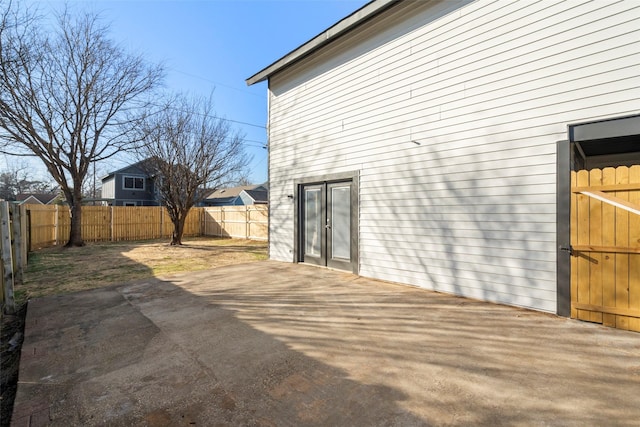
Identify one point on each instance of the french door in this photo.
(327, 229)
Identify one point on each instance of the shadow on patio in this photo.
(270, 343)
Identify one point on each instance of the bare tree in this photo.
(93, 183)
(189, 151)
(71, 97)
(17, 179)
(241, 180)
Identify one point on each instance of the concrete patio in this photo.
(274, 344)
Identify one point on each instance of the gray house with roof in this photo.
(238, 196)
(38, 198)
(130, 186)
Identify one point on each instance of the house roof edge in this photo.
(342, 27)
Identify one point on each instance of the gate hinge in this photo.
(567, 249)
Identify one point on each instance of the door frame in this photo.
(563, 228)
(566, 161)
(298, 184)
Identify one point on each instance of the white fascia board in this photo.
(347, 24)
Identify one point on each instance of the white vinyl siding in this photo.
(109, 188)
(452, 123)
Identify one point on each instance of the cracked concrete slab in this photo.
(276, 344)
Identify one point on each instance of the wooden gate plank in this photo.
(595, 238)
(606, 249)
(634, 260)
(628, 312)
(612, 187)
(622, 260)
(615, 201)
(608, 259)
(583, 239)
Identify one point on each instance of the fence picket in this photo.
(49, 225)
(595, 238)
(236, 221)
(609, 259)
(634, 259)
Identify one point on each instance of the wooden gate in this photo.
(605, 239)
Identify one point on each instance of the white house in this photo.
(431, 142)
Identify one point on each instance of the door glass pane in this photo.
(341, 222)
(312, 221)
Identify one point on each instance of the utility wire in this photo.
(210, 116)
(216, 83)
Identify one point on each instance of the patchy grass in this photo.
(60, 270)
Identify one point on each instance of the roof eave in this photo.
(347, 24)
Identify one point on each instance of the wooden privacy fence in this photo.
(245, 222)
(49, 225)
(605, 238)
(13, 251)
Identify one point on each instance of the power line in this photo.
(212, 117)
(262, 144)
(242, 123)
(259, 163)
(216, 83)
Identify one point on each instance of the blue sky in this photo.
(208, 44)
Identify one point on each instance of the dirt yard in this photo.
(61, 270)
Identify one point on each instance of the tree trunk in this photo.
(178, 230)
(75, 233)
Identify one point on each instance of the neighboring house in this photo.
(129, 186)
(238, 196)
(431, 142)
(37, 199)
(259, 196)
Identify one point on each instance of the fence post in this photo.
(24, 218)
(247, 217)
(55, 226)
(7, 262)
(111, 223)
(219, 222)
(222, 227)
(29, 227)
(201, 214)
(16, 229)
(204, 221)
